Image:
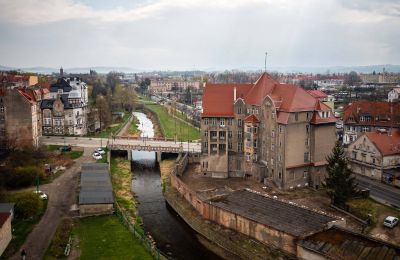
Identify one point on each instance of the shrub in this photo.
(23, 177)
(60, 239)
(27, 204)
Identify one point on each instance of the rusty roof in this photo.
(339, 243)
(274, 213)
(388, 143)
(3, 218)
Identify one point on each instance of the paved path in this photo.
(380, 191)
(62, 194)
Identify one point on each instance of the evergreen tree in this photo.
(339, 183)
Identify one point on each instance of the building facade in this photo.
(20, 116)
(393, 95)
(272, 132)
(377, 155)
(368, 116)
(65, 109)
(159, 86)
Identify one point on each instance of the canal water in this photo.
(171, 234)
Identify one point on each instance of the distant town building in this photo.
(377, 155)
(329, 82)
(328, 100)
(65, 109)
(166, 85)
(380, 78)
(367, 116)
(17, 81)
(278, 133)
(393, 95)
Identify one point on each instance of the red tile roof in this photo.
(3, 218)
(317, 93)
(381, 113)
(317, 119)
(251, 119)
(218, 99)
(388, 143)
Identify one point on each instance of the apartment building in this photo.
(272, 132)
(17, 81)
(65, 110)
(166, 85)
(20, 116)
(368, 116)
(377, 155)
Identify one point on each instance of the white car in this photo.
(41, 194)
(96, 156)
(390, 222)
(100, 151)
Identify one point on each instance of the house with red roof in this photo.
(20, 116)
(369, 116)
(328, 100)
(272, 132)
(5, 231)
(377, 155)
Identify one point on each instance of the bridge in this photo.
(126, 143)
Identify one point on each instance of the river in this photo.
(171, 234)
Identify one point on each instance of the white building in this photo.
(393, 95)
(65, 108)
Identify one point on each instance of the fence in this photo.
(139, 234)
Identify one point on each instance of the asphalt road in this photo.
(62, 194)
(380, 191)
(97, 142)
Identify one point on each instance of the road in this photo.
(62, 194)
(380, 191)
(97, 142)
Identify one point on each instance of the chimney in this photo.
(234, 94)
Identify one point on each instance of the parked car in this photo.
(65, 148)
(41, 194)
(96, 156)
(390, 222)
(100, 150)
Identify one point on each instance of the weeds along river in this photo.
(171, 234)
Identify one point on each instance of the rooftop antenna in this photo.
(265, 62)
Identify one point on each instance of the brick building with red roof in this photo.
(268, 131)
(377, 155)
(20, 115)
(368, 116)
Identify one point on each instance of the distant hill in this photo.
(48, 70)
(289, 69)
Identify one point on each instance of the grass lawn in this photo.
(105, 237)
(72, 154)
(113, 128)
(21, 229)
(362, 207)
(133, 128)
(183, 131)
(121, 181)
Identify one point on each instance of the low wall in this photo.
(96, 209)
(271, 237)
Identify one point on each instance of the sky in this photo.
(199, 34)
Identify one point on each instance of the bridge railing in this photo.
(146, 148)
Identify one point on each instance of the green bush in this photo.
(23, 177)
(27, 205)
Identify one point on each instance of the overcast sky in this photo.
(198, 34)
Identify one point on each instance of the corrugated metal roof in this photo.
(96, 187)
